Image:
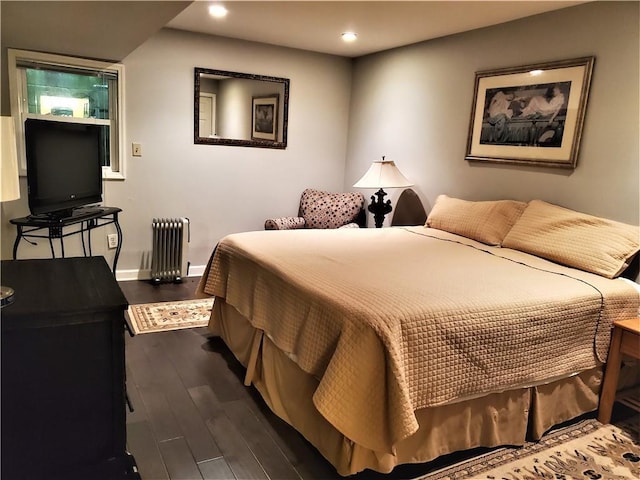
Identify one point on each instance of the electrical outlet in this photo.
(112, 240)
(136, 149)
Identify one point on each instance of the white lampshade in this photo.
(383, 174)
(9, 161)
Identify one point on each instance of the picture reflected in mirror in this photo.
(232, 108)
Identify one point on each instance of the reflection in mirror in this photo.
(232, 108)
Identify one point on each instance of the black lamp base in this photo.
(379, 207)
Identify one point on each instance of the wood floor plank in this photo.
(139, 413)
(179, 461)
(264, 448)
(195, 432)
(187, 356)
(201, 331)
(237, 454)
(141, 368)
(200, 363)
(161, 417)
(143, 446)
(234, 448)
(283, 434)
(304, 457)
(216, 469)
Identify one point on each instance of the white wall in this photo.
(413, 105)
(221, 189)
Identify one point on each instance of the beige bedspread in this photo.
(396, 319)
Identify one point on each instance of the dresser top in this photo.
(48, 289)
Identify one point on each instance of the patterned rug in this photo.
(585, 450)
(163, 316)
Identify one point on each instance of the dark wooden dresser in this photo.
(63, 371)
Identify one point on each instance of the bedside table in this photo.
(625, 340)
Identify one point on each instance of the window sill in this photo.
(109, 175)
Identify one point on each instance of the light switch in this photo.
(136, 149)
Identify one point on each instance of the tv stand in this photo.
(65, 215)
(59, 215)
(53, 226)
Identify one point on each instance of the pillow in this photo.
(487, 222)
(578, 240)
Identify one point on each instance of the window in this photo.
(55, 87)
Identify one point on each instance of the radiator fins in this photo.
(171, 238)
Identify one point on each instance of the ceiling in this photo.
(381, 25)
(107, 30)
(110, 30)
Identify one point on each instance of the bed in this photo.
(485, 327)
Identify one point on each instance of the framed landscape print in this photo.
(530, 115)
(265, 118)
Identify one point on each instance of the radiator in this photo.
(171, 238)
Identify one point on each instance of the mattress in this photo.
(392, 321)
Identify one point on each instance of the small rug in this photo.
(585, 450)
(163, 316)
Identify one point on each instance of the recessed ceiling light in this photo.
(349, 36)
(218, 11)
(535, 72)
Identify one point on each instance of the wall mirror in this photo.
(241, 109)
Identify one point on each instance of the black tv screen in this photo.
(63, 166)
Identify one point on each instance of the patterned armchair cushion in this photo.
(284, 223)
(330, 210)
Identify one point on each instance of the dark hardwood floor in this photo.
(194, 419)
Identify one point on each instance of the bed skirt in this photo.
(505, 418)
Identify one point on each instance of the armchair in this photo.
(320, 209)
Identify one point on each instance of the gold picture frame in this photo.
(530, 115)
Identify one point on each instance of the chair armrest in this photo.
(284, 223)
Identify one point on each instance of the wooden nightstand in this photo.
(625, 340)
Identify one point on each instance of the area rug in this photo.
(585, 450)
(163, 316)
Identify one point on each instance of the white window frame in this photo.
(116, 169)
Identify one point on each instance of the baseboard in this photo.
(196, 270)
(137, 274)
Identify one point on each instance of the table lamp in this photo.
(10, 181)
(382, 174)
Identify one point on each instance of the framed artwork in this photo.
(264, 123)
(530, 115)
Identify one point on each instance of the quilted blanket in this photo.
(397, 319)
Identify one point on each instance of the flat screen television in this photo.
(64, 171)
